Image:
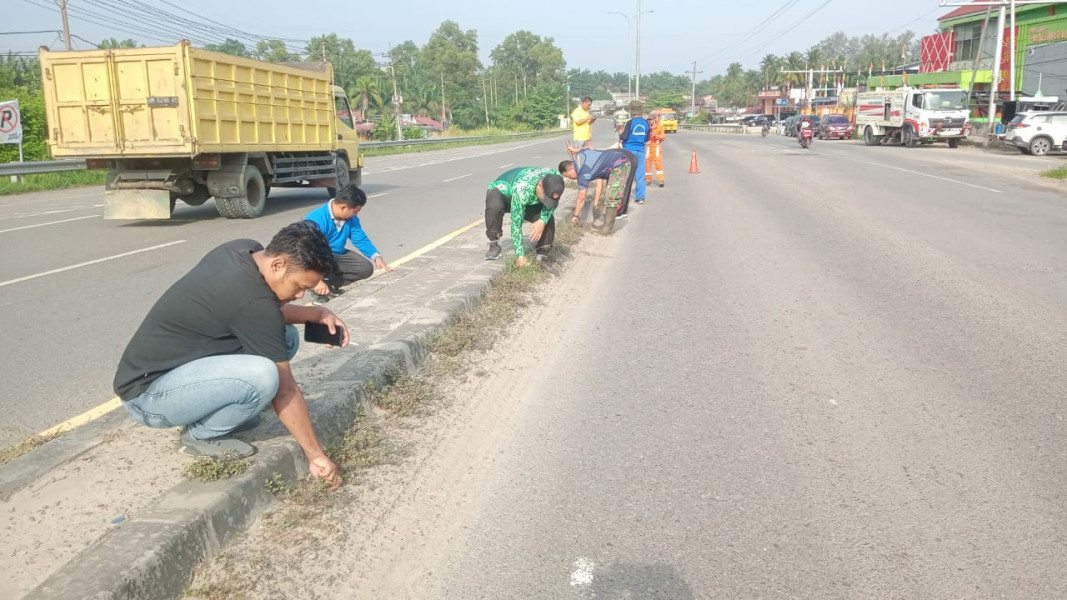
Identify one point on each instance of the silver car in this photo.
(1037, 132)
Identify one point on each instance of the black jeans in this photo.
(624, 206)
(351, 267)
(496, 204)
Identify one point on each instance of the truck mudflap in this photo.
(137, 204)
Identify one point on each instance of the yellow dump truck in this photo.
(183, 123)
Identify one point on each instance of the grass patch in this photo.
(1057, 173)
(207, 468)
(52, 181)
(401, 394)
(445, 144)
(16, 450)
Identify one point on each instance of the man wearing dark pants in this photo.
(612, 166)
(338, 220)
(530, 194)
(215, 348)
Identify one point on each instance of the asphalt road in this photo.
(835, 373)
(65, 323)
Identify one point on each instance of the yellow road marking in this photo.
(95, 413)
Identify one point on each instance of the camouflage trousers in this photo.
(618, 185)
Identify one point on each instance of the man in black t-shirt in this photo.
(215, 348)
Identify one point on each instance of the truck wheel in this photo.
(954, 143)
(1039, 146)
(341, 169)
(907, 137)
(869, 139)
(251, 204)
(356, 177)
(266, 186)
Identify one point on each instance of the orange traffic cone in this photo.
(693, 168)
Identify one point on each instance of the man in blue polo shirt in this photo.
(338, 221)
(634, 136)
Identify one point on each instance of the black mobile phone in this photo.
(317, 333)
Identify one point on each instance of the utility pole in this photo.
(397, 99)
(994, 88)
(637, 82)
(66, 24)
(693, 98)
(485, 100)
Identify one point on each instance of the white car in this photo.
(1037, 132)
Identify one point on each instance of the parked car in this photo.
(1037, 132)
(835, 127)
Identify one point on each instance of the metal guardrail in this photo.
(715, 128)
(44, 166)
(78, 164)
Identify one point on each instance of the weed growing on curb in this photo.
(52, 181)
(401, 394)
(207, 468)
(215, 591)
(16, 450)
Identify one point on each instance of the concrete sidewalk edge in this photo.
(153, 555)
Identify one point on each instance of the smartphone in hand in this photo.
(318, 333)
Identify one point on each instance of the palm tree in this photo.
(770, 66)
(794, 62)
(366, 89)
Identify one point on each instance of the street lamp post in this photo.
(637, 78)
(629, 63)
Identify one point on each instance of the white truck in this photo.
(912, 116)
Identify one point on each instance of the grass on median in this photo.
(51, 181)
(207, 468)
(1059, 172)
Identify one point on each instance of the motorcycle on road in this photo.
(766, 130)
(806, 136)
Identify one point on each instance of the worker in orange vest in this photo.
(653, 153)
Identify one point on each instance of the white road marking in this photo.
(47, 212)
(455, 178)
(505, 166)
(86, 264)
(583, 572)
(980, 187)
(378, 195)
(49, 223)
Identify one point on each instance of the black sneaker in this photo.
(494, 251)
(622, 215)
(547, 264)
(661, 184)
(640, 201)
(316, 299)
(216, 448)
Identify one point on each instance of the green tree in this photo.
(531, 58)
(452, 54)
(112, 43)
(366, 89)
(274, 51)
(349, 64)
(230, 46)
(667, 99)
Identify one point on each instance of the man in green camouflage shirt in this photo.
(530, 194)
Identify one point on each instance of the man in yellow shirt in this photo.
(581, 120)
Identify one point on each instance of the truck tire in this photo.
(1040, 146)
(954, 143)
(356, 177)
(266, 186)
(251, 204)
(908, 138)
(869, 139)
(340, 167)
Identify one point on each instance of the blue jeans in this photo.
(639, 192)
(213, 395)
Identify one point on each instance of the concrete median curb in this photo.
(152, 555)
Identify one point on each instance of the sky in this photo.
(674, 33)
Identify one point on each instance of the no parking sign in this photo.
(10, 123)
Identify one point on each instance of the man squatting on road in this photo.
(616, 167)
(530, 194)
(338, 220)
(215, 348)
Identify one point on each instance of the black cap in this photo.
(551, 189)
